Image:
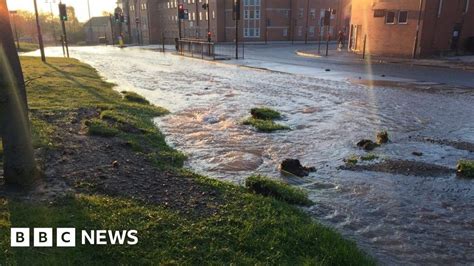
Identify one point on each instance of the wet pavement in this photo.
(398, 219)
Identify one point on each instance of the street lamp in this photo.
(40, 37)
(51, 2)
(13, 15)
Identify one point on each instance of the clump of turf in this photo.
(278, 190)
(134, 97)
(264, 113)
(352, 160)
(97, 127)
(382, 137)
(465, 168)
(262, 120)
(369, 157)
(264, 125)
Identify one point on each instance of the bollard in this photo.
(365, 45)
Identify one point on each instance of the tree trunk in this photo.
(18, 159)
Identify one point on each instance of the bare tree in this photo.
(18, 159)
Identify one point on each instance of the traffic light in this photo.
(181, 11)
(117, 17)
(122, 18)
(62, 12)
(209, 36)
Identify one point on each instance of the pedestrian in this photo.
(340, 40)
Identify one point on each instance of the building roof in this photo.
(98, 21)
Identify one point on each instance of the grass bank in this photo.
(27, 47)
(235, 226)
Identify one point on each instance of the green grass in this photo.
(369, 157)
(262, 120)
(27, 47)
(278, 190)
(352, 160)
(465, 168)
(246, 229)
(134, 97)
(264, 125)
(264, 113)
(100, 128)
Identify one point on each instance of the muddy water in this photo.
(397, 219)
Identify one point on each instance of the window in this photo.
(313, 13)
(285, 32)
(390, 17)
(311, 31)
(403, 17)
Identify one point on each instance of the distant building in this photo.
(98, 29)
(271, 20)
(390, 27)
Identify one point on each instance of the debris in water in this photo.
(294, 167)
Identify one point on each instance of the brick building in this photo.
(390, 27)
(96, 28)
(272, 20)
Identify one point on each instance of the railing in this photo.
(208, 50)
(197, 48)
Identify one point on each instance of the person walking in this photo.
(340, 40)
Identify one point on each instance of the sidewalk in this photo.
(465, 63)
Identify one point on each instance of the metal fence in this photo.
(210, 50)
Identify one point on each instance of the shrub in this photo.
(134, 97)
(278, 190)
(265, 113)
(465, 168)
(100, 128)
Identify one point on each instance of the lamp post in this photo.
(40, 36)
(51, 2)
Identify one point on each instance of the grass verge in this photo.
(27, 47)
(134, 97)
(245, 229)
(278, 190)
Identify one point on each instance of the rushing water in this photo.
(397, 219)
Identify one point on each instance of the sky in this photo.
(97, 6)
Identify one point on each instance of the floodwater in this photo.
(397, 219)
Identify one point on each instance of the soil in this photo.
(460, 145)
(400, 167)
(96, 165)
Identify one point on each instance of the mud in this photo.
(399, 167)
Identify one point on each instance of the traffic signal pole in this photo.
(63, 25)
(63, 18)
(40, 36)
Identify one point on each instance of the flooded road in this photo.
(397, 219)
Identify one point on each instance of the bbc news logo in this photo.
(66, 237)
